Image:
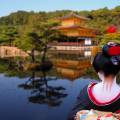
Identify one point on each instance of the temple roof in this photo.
(71, 27)
(65, 27)
(73, 15)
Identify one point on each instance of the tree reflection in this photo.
(42, 92)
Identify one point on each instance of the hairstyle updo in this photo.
(106, 62)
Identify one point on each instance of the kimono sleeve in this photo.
(82, 103)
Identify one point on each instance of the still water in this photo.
(38, 95)
(15, 102)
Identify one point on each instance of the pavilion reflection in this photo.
(71, 66)
(70, 74)
(42, 92)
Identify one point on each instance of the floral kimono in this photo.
(87, 101)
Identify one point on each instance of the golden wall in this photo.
(70, 22)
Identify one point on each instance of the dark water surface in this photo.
(37, 95)
(46, 100)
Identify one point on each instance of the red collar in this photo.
(95, 101)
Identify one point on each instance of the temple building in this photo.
(81, 37)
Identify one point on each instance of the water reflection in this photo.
(42, 92)
(50, 95)
(71, 66)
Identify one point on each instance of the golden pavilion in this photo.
(74, 26)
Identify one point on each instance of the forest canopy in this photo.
(15, 28)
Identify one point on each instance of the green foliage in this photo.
(16, 27)
(114, 37)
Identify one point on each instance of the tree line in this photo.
(31, 30)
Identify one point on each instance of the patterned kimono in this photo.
(87, 101)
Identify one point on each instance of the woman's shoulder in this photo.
(95, 101)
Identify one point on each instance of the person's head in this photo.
(108, 61)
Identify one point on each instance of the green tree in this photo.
(114, 37)
(11, 34)
(35, 40)
(41, 39)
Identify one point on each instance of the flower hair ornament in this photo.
(112, 50)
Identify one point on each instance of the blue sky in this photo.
(8, 6)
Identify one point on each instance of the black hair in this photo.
(103, 63)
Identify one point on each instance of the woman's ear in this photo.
(101, 76)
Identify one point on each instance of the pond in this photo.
(35, 95)
(17, 103)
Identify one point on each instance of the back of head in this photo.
(108, 61)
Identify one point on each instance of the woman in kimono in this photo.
(105, 95)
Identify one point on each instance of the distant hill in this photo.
(100, 18)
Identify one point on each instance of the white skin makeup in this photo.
(107, 89)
